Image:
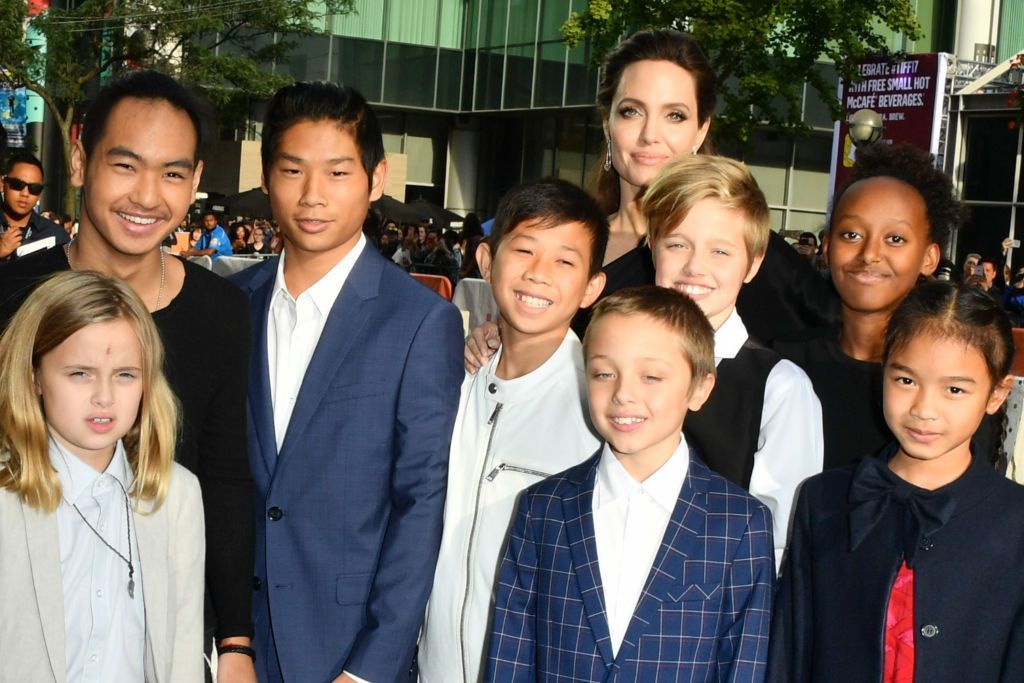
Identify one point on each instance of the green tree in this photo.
(762, 50)
(224, 46)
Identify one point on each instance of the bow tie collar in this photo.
(875, 489)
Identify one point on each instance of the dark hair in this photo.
(552, 202)
(320, 101)
(666, 45)
(471, 226)
(210, 212)
(24, 157)
(915, 167)
(960, 313)
(145, 85)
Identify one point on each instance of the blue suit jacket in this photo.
(704, 613)
(349, 513)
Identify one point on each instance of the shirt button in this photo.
(492, 387)
(93, 658)
(275, 513)
(99, 593)
(929, 630)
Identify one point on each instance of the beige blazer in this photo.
(171, 553)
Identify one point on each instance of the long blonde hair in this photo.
(57, 309)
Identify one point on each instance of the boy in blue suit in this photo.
(353, 388)
(640, 564)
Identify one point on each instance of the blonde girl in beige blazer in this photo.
(85, 412)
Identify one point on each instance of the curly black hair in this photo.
(916, 168)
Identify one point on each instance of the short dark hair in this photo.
(145, 85)
(915, 167)
(319, 101)
(210, 212)
(552, 202)
(24, 157)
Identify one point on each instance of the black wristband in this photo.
(240, 649)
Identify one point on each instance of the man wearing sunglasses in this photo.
(22, 230)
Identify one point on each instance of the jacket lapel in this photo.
(683, 539)
(44, 557)
(344, 324)
(151, 535)
(577, 505)
(260, 406)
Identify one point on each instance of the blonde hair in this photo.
(673, 309)
(57, 309)
(684, 181)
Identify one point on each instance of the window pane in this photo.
(409, 75)
(519, 77)
(359, 63)
(581, 85)
(816, 112)
(307, 60)
(522, 21)
(413, 21)
(553, 14)
(991, 156)
(367, 22)
(492, 26)
(550, 75)
(488, 82)
(984, 232)
(452, 16)
(449, 79)
(811, 172)
(767, 159)
(806, 221)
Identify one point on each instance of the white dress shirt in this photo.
(630, 518)
(790, 446)
(294, 327)
(105, 628)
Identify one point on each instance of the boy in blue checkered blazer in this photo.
(639, 564)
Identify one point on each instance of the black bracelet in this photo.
(240, 649)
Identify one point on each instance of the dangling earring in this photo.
(608, 157)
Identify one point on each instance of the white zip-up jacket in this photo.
(508, 435)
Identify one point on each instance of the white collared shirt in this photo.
(104, 628)
(294, 327)
(630, 518)
(791, 445)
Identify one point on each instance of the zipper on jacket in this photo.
(506, 467)
(493, 422)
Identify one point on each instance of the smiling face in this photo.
(935, 393)
(91, 386)
(140, 179)
(319, 191)
(640, 387)
(879, 245)
(653, 118)
(19, 203)
(540, 276)
(705, 257)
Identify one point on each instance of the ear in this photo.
(380, 176)
(484, 260)
(604, 127)
(594, 289)
(699, 391)
(931, 259)
(702, 133)
(196, 177)
(755, 265)
(35, 382)
(78, 164)
(999, 394)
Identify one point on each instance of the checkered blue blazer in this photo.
(704, 613)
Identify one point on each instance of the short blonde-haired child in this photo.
(102, 533)
(708, 223)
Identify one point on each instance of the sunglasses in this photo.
(17, 184)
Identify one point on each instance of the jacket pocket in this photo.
(509, 467)
(352, 589)
(348, 392)
(696, 592)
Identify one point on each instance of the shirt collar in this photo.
(568, 354)
(730, 337)
(76, 477)
(614, 482)
(325, 290)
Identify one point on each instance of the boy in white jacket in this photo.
(522, 416)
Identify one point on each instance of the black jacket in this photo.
(829, 621)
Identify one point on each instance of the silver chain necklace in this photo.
(128, 524)
(163, 272)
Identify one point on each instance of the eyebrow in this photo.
(947, 378)
(855, 216)
(643, 358)
(667, 105)
(299, 160)
(135, 156)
